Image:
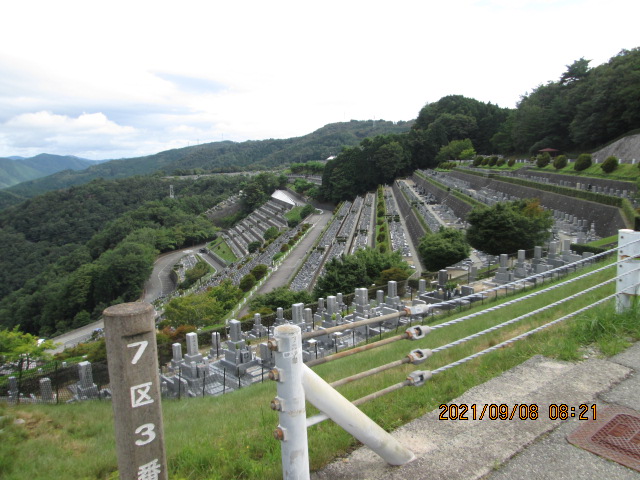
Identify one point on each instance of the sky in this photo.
(120, 79)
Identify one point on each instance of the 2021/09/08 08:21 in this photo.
(523, 411)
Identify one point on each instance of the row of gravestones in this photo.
(564, 222)
(341, 226)
(83, 389)
(237, 365)
(522, 269)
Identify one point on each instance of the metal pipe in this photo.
(368, 373)
(348, 416)
(353, 351)
(290, 403)
(359, 323)
(627, 287)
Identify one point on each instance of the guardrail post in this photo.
(290, 402)
(132, 356)
(628, 269)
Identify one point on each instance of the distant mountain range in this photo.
(14, 170)
(217, 157)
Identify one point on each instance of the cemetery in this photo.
(244, 358)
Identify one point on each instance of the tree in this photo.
(348, 272)
(456, 150)
(247, 282)
(560, 162)
(253, 246)
(271, 233)
(508, 227)
(203, 309)
(543, 160)
(392, 274)
(582, 162)
(610, 164)
(281, 297)
(14, 344)
(259, 271)
(444, 248)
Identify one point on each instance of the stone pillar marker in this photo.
(132, 356)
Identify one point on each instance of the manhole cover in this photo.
(615, 434)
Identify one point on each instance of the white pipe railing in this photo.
(297, 382)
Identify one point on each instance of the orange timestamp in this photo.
(518, 411)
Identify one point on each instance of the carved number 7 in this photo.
(142, 346)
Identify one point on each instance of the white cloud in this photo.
(153, 75)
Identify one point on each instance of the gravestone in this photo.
(502, 275)
(193, 354)
(176, 359)
(443, 278)
(46, 392)
(214, 351)
(237, 356)
(392, 299)
(85, 388)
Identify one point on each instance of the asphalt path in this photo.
(285, 272)
(158, 284)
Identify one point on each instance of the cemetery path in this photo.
(289, 267)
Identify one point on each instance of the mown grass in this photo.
(231, 436)
(220, 248)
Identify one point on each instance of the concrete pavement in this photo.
(512, 449)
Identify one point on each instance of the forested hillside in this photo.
(17, 170)
(223, 156)
(68, 254)
(585, 108)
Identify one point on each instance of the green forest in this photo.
(584, 109)
(69, 253)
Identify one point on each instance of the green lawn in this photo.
(220, 248)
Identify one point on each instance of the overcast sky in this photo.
(118, 79)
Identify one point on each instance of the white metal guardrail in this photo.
(297, 383)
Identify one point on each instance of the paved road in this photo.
(158, 284)
(288, 268)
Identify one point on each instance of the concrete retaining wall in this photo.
(608, 219)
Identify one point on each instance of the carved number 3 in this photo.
(146, 430)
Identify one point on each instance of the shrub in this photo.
(511, 162)
(259, 271)
(253, 246)
(247, 282)
(543, 160)
(610, 164)
(485, 161)
(493, 160)
(478, 161)
(582, 162)
(501, 162)
(560, 162)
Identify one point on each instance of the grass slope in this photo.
(231, 436)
